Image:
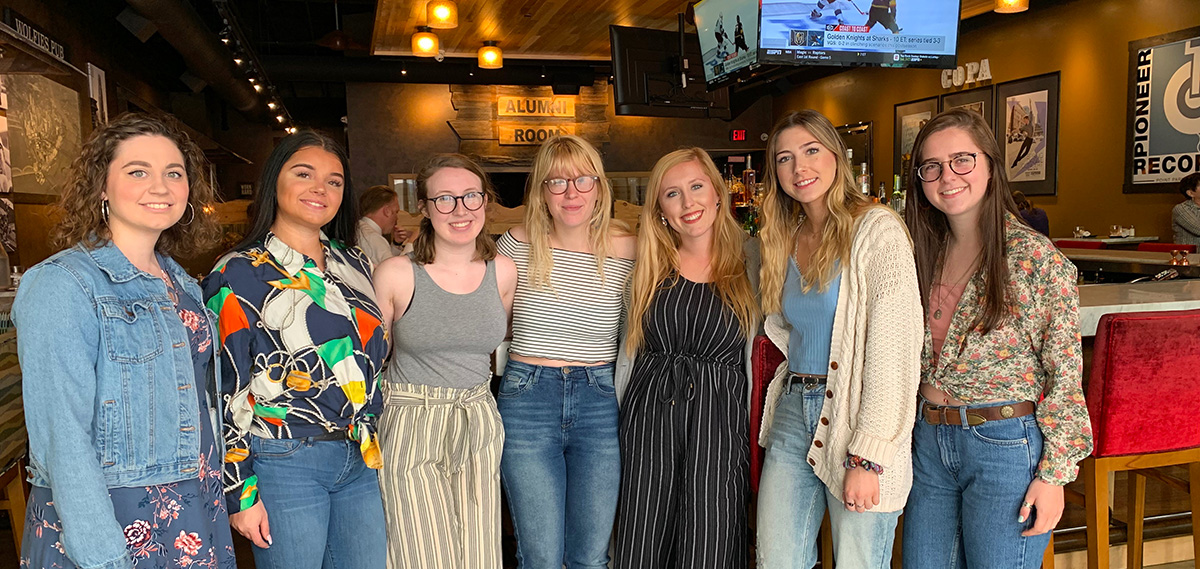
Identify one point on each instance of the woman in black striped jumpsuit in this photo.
(684, 417)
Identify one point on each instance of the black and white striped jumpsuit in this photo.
(684, 433)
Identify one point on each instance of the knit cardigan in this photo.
(874, 363)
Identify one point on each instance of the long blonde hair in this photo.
(781, 214)
(658, 252)
(565, 153)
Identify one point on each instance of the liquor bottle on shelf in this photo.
(882, 195)
(897, 196)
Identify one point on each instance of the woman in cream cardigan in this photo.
(840, 288)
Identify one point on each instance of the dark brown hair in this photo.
(423, 249)
(79, 205)
(1188, 183)
(375, 198)
(930, 229)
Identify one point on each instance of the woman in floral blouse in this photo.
(1002, 421)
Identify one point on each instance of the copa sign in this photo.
(973, 72)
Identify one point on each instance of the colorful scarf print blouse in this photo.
(302, 351)
(1034, 356)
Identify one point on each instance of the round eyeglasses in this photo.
(583, 184)
(445, 204)
(962, 165)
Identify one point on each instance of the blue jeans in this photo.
(792, 500)
(968, 485)
(323, 505)
(561, 467)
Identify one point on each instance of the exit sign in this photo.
(737, 134)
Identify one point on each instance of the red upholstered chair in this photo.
(764, 358)
(1079, 244)
(1166, 247)
(1143, 397)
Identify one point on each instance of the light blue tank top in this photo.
(811, 317)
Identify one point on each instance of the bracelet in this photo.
(853, 461)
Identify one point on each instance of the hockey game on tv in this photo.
(887, 33)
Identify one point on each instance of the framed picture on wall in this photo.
(1161, 122)
(910, 117)
(978, 100)
(1027, 130)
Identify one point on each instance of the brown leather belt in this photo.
(935, 415)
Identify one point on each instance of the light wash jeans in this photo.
(561, 467)
(323, 505)
(968, 485)
(792, 500)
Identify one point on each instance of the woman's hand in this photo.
(860, 490)
(1048, 499)
(252, 524)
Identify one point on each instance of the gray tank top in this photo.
(446, 339)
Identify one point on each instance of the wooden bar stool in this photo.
(1143, 397)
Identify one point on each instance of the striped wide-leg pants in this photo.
(441, 477)
(684, 468)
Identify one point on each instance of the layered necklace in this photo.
(947, 288)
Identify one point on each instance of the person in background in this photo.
(1034, 216)
(377, 229)
(118, 365)
(1002, 422)
(1185, 217)
(447, 306)
(840, 291)
(303, 346)
(562, 461)
(685, 414)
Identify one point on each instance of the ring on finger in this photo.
(1026, 505)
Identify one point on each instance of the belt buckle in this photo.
(810, 382)
(975, 419)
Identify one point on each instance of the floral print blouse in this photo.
(1035, 355)
(302, 351)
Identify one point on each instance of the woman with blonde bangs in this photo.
(685, 409)
(840, 288)
(561, 463)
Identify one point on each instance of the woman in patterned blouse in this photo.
(302, 349)
(1002, 420)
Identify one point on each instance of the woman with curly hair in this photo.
(117, 355)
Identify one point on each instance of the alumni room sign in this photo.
(504, 125)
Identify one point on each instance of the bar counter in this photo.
(1097, 300)
(1132, 263)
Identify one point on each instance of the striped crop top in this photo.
(577, 317)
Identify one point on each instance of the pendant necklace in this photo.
(937, 314)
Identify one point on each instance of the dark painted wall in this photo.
(395, 128)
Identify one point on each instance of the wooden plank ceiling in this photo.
(539, 29)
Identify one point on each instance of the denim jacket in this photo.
(107, 373)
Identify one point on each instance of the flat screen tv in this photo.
(728, 31)
(658, 73)
(886, 33)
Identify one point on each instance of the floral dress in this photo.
(181, 524)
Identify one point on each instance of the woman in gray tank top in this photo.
(447, 306)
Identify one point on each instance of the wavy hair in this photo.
(572, 154)
(782, 215)
(424, 250)
(344, 225)
(658, 252)
(81, 220)
(930, 229)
